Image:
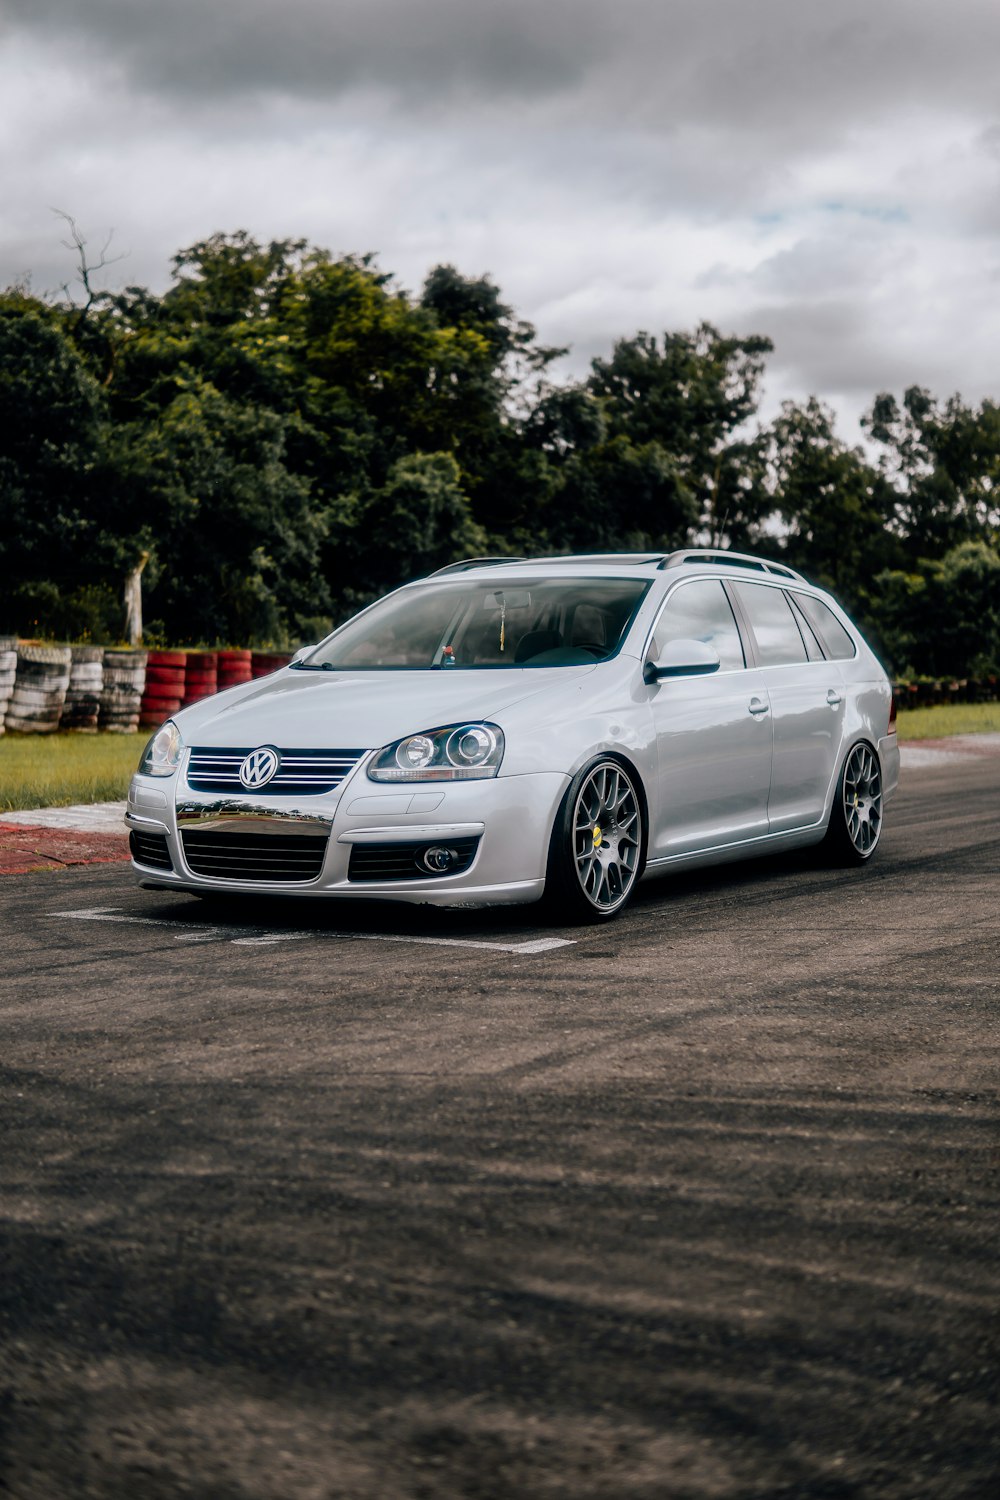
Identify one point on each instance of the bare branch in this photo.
(86, 269)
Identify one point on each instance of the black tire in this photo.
(856, 817)
(598, 846)
(44, 656)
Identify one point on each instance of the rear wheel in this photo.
(596, 853)
(856, 817)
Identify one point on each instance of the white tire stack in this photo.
(121, 695)
(8, 671)
(83, 697)
(40, 685)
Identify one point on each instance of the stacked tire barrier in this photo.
(8, 672)
(121, 696)
(164, 691)
(40, 684)
(82, 708)
(925, 692)
(235, 667)
(266, 662)
(200, 676)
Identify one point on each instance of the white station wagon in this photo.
(509, 729)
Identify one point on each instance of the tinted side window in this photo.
(700, 611)
(833, 637)
(779, 641)
(813, 648)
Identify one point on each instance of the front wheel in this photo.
(856, 816)
(597, 848)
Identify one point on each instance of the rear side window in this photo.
(700, 611)
(779, 640)
(833, 637)
(813, 648)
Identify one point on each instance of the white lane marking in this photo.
(254, 937)
(269, 937)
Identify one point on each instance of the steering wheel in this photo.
(591, 646)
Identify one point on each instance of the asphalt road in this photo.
(703, 1204)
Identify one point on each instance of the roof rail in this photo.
(638, 558)
(723, 559)
(469, 563)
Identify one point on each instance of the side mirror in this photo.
(301, 654)
(683, 659)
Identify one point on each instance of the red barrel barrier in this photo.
(164, 691)
(266, 662)
(235, 667)
(201, 677)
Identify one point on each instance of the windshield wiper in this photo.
(313, 666)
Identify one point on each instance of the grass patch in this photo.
(948, 718)
(54, 770)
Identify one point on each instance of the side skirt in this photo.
(724, 854)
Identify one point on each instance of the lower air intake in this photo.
(407, 861)
(286, 859)
(150, 849)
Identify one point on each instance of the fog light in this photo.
(438, 859)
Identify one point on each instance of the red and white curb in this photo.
(85, 817)
(54, 838)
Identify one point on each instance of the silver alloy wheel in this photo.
(606, 832)
(862, 794)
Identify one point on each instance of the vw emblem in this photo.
(259, 766)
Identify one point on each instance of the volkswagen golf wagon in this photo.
(512, 729)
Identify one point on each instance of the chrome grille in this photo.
(284, 858)
(301, 772)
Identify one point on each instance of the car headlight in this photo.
(162, 755)
(458, 752)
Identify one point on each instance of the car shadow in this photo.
(760, 879)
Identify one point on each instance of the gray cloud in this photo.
(778, 66)
(823, 171)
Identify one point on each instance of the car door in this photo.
(713, 732)
(806, 693)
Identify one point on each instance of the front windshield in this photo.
(470, 622)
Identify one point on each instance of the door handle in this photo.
(757, 706)
(832, 697)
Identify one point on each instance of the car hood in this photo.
(358, 710)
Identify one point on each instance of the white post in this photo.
(133, 602)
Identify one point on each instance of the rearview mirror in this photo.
(683, 659)
(508, 599)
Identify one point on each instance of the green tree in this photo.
(618, 496)
(944, 618)
(52, 427)
(233, 533)
(944, 463)
(834, 505)
(692, 393)
(418, 521)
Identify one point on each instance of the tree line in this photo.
(284, 435)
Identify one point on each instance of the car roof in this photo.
(626, 564)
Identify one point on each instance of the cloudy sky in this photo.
(826, 172)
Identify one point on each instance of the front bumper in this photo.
(511, 817)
